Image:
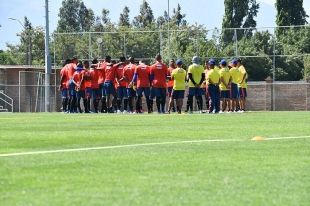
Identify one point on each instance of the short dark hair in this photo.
(94, 61)
(74, 58)
(122, 58)
(158, 56)
(86, 62)
(239, 60)
(80, 64)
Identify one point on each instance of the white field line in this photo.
(113, 147)
(136, 145)
(279, 138)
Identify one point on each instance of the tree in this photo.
(105, 16)
(178, 17)
(161, 20)
(68, 16)
(250, 23)
(145, 17)
(124, 17)
(86, 17)
(290, 12)
(235, 11)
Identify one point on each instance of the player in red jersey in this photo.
(101, 80)
(72, 99)
(110, 75)
(121, 84)
(159, 73)
(63, 87)
(128, 74)
(78, 80)
(95, 90)
(87, 86)
(171, 82)
(142, 80)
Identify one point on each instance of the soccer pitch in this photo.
(122, 159)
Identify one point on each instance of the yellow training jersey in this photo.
(214, 76)
(196, 71)
(242, 71)
(178, 76)
(234, 72)
(217, 69)
(225, 74)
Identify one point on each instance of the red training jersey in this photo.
(87, 79)
(120, 73)
(109, 72)
(143, 76)
(101, 72)
(170, 81)
(70, 70)
(160, 72)
(77, 77)
(128, 72)
(64, 75)
(93, 73)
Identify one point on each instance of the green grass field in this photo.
(176, 171)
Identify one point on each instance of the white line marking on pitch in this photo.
(279, 138)
(113, 147)
(137, 145)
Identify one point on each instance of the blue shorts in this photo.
(160, 92)
(152, 95)
(64, 93)
(242, 92)
(204, 91)
(193, 91)
(170, 91)
(131, 92)
(122, 93)
(178, 94)
(72, 91)
(234, 91)
(145, 90)
(102, 90)
(225, 94)
(109, 87)
(88, 92)
(96, 93)
(80, 94)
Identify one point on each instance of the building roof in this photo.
(25, 67)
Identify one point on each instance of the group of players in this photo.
(112, 83)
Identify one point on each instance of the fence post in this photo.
(269, 94)
(308, 94)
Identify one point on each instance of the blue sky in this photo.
(207, 12)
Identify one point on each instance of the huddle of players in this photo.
(102, 80)
(129, 82)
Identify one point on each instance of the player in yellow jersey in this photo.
(196, 75)
(213, 81)
(234, 94)
(178, 76)
(242, 85)
(225, 86)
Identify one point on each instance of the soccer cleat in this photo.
(200, 112)
(118, 111)
(130, 112)
(125, 112)
(149, 111)
(179, 112)
(163, 111)
(222, 112)
(158, 112)
(229, 112)
(191, 112)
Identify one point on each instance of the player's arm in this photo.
(203, 76)
(243, 78)
(61, 81)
